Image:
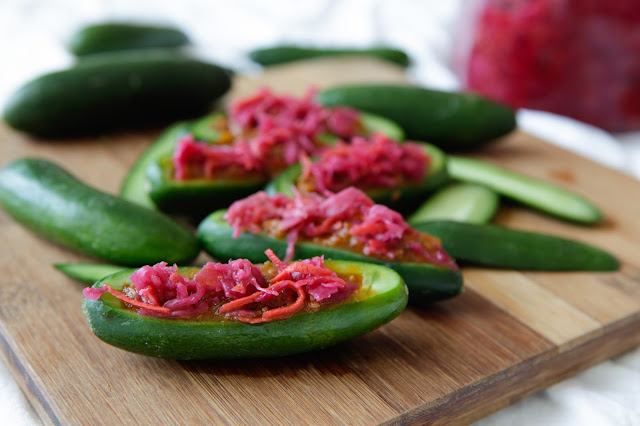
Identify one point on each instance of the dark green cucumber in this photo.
(87, 273)
(116, 90)
(462, 202)
(55, 205)
(223, 339)
(112, 36)
(541, 195)
(453, 121)
(436, 176)
(427, 283)
(283, 54)
(195, 197)
(496, 246)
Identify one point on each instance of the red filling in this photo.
(348, 220)
(237, 289)
(579, 58)
(379, 162)
(271, 133)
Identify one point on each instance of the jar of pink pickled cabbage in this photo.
(579, 58)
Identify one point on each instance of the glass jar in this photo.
(579, 58)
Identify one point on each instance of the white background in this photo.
(33, 33)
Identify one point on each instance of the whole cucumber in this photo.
(453, 121)
(111, 36)
(286, 53)
(55, 205)
(116, 90)
(497, 246)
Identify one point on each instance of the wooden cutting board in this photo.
(509, 335)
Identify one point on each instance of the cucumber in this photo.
(462, 202)
(52, 203)
(195, 198)
(112, 36)
(87, 273)
(116, 90)
(453, 121)
(496, 246)
(283, 54)
(384, 298)
(535, 193)
(427, 283)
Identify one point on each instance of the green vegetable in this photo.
(427, 283)
(541, 195)
(197, 197)
(207, 339)
(496, 246)
(453, 121)
(283, 54)
(55, 205)
(116, 90)
(462, 202)
(87, 273)
(436, 175)
(111, 36)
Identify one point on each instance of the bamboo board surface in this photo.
(509, 335)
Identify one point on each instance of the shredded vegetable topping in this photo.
(238, 289)
(271, 132)
(365, 163)
(348, 220)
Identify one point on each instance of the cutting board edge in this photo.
(464, 406)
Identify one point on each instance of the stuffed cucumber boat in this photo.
(242, 310)
(386, 170)
(347, 225)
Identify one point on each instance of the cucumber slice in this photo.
(462, 202)
(87, 273)
(496, 246)
(541, 195)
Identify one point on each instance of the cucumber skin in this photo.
(426, 283)
(87, 273)
(462, 202)
(52, 203)
(544, 196)
(452, 121)
(115, 90)
(184, 339)
(114, 36)
(286, 53)
(496, 246)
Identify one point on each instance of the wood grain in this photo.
(509, 335)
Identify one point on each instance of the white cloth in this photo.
(32, 34)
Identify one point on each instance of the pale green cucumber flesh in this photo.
(462, 202)
(541, 195)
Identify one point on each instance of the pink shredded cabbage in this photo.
(160, 291)
(283, 129)
(367, 163)
(382, 230)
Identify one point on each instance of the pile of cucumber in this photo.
(121, 79)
